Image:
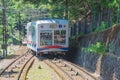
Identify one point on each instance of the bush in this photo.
(102, 26)
(98, 48)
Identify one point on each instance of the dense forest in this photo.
(19, 12)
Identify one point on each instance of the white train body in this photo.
(48, 35)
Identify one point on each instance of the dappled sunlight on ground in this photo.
(45, 73)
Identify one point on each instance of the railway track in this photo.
(17, 70)
(69, 71)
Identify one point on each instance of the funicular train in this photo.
(48, 36)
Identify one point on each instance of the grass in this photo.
(39, 74)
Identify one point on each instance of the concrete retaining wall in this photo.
(108, 66)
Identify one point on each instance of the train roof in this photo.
(58, 21)
(48, 21)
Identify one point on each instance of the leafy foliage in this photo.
(24, 10)
(102, 26)
(14, 14)
(98, 48)
(76, 8)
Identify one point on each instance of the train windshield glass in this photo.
(60, 37)
(45, 37)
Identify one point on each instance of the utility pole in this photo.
(4, 45)
(66, 11)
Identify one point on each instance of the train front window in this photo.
(45, 37)
(60, 37)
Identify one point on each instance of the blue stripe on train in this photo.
(38, 49)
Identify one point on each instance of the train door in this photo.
(46, 38)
